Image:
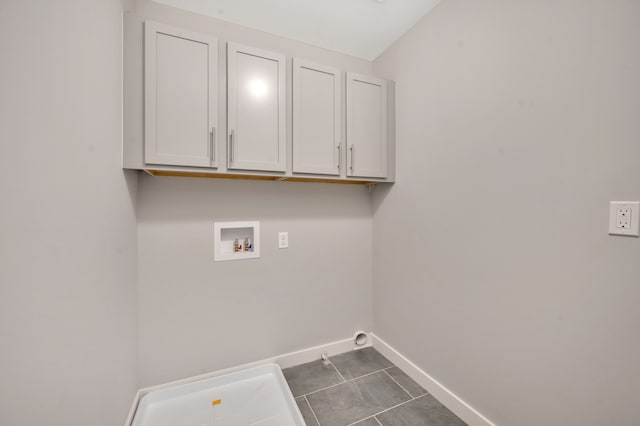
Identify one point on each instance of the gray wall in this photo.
(196, 315)
(67, 222)
(493, 271)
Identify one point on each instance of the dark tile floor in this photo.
(363, 388)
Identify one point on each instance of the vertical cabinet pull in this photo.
(213, 144)
(231, 143)
(351, 148)
(339, 154)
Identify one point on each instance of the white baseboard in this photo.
(460, 408)
(284, 361)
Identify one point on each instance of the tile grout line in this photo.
(366, 418)
(384, 411)
(338, 371)
(398, 405)
(396, 382)
(362, 420)
(342, 383)
(312, 412)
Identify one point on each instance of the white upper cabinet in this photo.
(181, 104)
(366, 126)
(181, 119)
(256, 105)
(316, 118)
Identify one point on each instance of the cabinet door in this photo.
(181, 107)
(256, 109)
(366, 126)
(316, 118)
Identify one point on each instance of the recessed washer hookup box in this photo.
(256, 396)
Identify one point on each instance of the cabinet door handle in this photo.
(213, 144)
(339, 153)
(231, 143)
(351, 148)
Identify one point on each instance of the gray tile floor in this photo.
(363, 388)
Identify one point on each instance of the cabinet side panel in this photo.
(133, 92)
(369, 154)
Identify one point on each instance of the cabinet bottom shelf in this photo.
(154, 172)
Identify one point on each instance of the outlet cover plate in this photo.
(624, 218)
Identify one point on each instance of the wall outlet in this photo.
(283, 240)
(624, 218)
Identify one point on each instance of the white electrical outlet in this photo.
(624, 218)
(283, 240)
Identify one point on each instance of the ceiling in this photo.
(361, 28)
